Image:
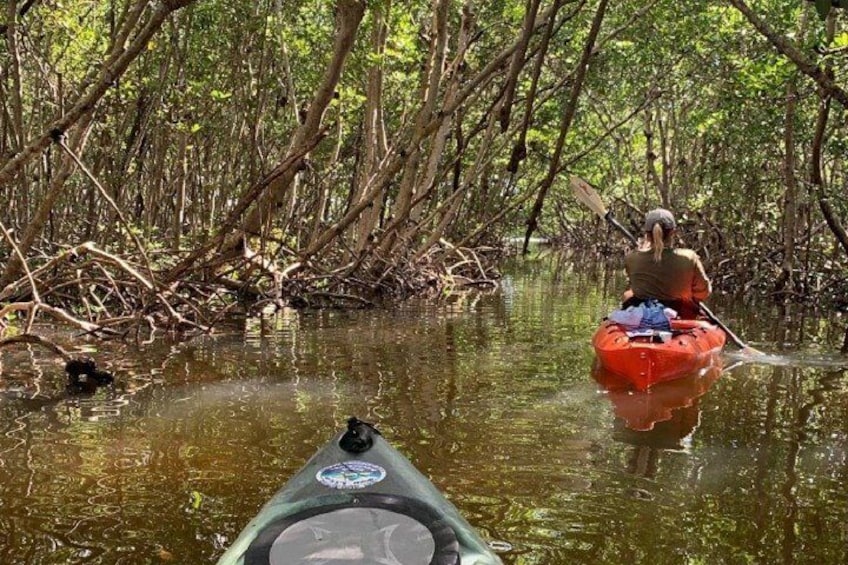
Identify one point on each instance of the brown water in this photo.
(490, 395)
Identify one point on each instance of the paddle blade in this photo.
(584, 192)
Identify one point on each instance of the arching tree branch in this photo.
(794, 54)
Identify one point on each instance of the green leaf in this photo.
(840, 40)
(220, 95)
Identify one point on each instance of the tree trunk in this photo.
(790, 200)
(833, 221)
(348, 17)
(531, 8)
(519, 150)
(565, 124)
(14, 267)
(180, 185)
(116, 64)
(437, 147)
(15, 108)
(651, 157)
(431, 80)
(374, 131)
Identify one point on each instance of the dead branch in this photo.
(37, 340)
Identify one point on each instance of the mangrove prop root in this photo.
(112, 296)
(36, 340)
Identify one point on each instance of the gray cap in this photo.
(659, 216)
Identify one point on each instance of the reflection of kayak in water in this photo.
(645, 360)
(664, 414)
(358, 500)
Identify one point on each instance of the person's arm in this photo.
(701, 286)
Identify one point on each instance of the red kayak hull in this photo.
(645, 362)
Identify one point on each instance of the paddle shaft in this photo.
(609, 218)
(712, 317)
(701, 306)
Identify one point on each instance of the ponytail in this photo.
(657, 242)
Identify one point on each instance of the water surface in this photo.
(491, 395)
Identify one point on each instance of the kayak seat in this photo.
(360, 528)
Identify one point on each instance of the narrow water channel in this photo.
(491, 395)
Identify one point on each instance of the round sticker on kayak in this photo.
(351, 475)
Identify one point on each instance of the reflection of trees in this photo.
(62, 472)
(777, 438)
(793, 409)
(801, 434)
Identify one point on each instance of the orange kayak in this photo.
(646, 360)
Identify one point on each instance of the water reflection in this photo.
(658, 419)
(643, 410)
(488, 394)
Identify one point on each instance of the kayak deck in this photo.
(358, 500)
(648, 360)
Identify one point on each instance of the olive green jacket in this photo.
(679, 275)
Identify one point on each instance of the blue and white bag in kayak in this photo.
(650, 314)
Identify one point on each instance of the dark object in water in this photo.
(86, 367)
